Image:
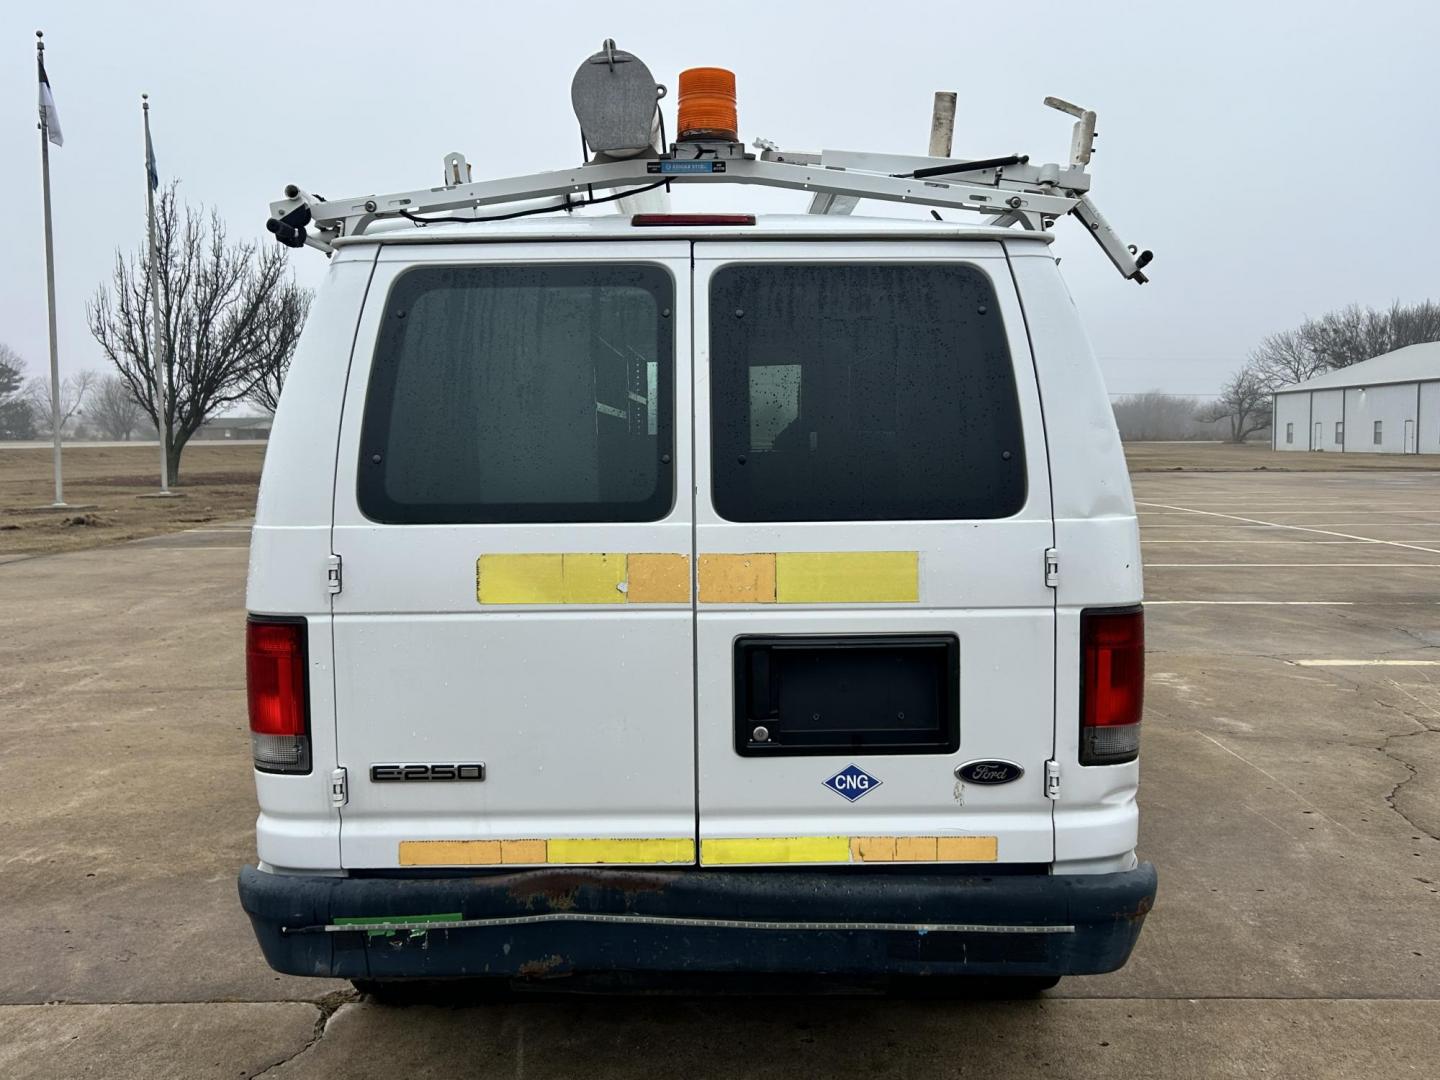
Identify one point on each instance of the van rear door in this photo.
(875, 635)
(513, 637)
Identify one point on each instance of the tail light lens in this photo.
(1112, 684)
(275, 680)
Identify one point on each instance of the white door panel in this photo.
(981, 581)
(522, 646)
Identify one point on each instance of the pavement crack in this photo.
(1392, 800)
(1425, 723)
(1411, 770)
(326, 1007)
(1423, 642)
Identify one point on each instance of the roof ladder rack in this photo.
(1006, 190)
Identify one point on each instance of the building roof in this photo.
(1414, 363)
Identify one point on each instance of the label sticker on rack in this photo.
(851, 783)
(672, 168)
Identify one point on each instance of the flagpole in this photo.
(50, 278)
(161, 427)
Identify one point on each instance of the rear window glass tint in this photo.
(861, 392)
(521, 394)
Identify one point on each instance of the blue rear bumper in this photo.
(590, 919)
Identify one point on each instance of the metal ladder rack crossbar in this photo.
(1010, 191)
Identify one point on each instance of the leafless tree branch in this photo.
(1342, 338)
(74, 390)
(1244, 401)
(228, 313)
(113, 411)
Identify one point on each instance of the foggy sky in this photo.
(1278, 158)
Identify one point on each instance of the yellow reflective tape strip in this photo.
(847, 849)
(450, 852)
(869, 849)
(539, 852)
(847, 577)
(659, 579)
(872, 848)
(737, 579)
(520, 579)
(666, 850)
(583, 577)
(721, 851)
(526, 852)
(594, 579)
(775, 849)
(967, 848)
(915, 848)
(787, 577)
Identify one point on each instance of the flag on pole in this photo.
(151, 169)
(47, 108)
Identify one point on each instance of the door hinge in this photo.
(332, 574)
(339, 788)
(1052, 779)
(1052, 567)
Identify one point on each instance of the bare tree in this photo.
(1342, 338)
(1244, 401)
(221, 309)
(74, 389)
(113, 410)
(1290, 356)
(1415, 324)
(274, 363)
(16, 418)
(1355, 334)
(1349, 336)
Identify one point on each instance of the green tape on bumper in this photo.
(448, 916)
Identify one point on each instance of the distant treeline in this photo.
(1160, 417)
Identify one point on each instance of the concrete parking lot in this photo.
(1291, 799)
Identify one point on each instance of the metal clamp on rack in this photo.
(617, 103)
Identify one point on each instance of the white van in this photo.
(693, 593)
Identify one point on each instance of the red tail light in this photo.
(1112, 684)
(275, 680)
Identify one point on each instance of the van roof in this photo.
(560, 227)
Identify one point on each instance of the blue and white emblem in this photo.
(852, 782)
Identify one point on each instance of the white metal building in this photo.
(1388, 405)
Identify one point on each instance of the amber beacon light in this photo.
(707, 104)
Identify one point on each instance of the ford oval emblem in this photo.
(989, 772)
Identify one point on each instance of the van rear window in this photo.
(521, 394)
(861, 392)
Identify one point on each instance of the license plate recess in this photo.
(829, 694)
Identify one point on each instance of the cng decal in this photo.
(852, 782)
